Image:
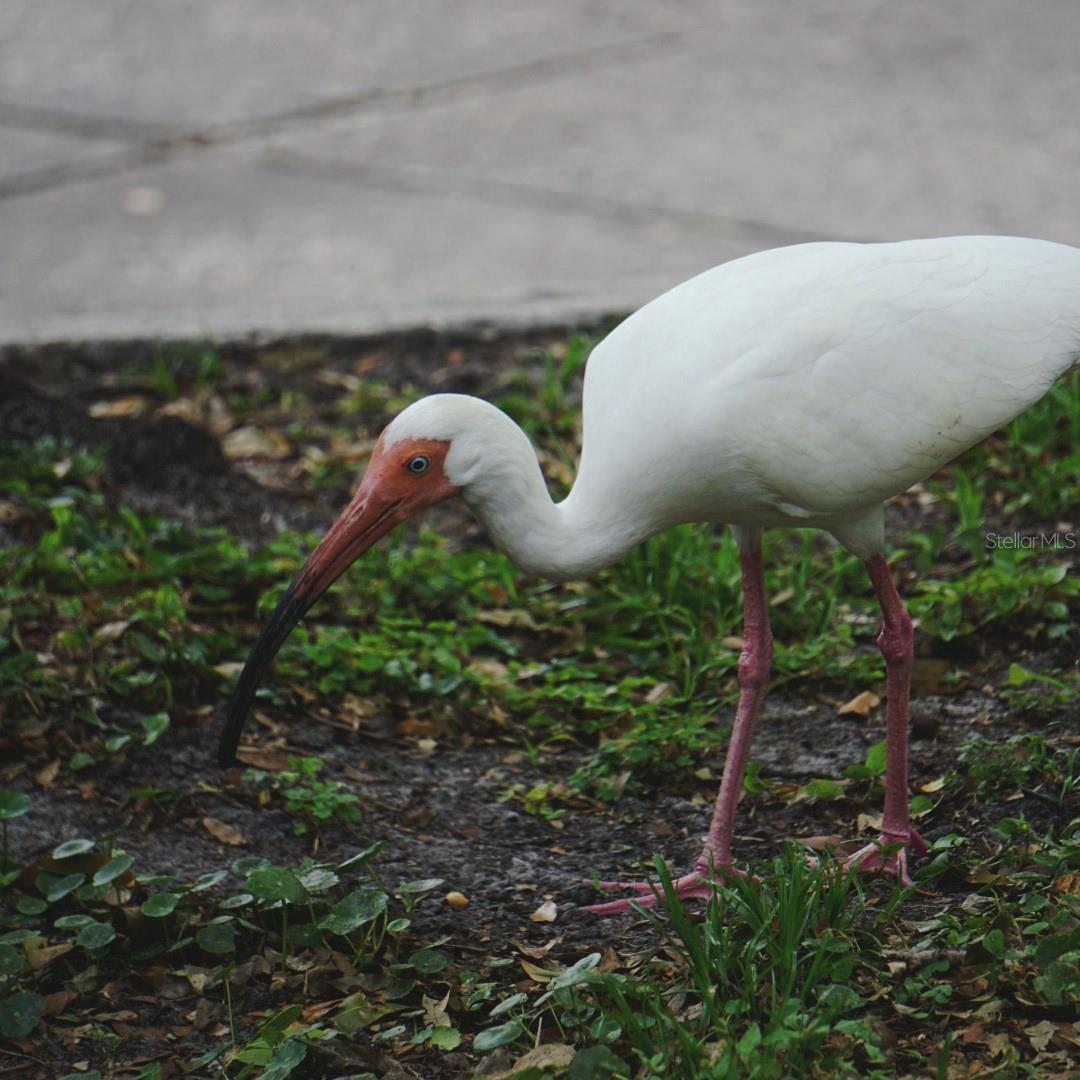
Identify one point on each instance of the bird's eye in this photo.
(418, 464)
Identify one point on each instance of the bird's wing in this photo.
(916, 361)
(825, 377)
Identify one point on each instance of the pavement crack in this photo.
(14, 114)
(425, 181)
(36, 181)
(155, 142)
(465, 86)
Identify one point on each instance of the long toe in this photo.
(888, 855)
(694, 885)
(916, 842)
(618, 886)
(621, 907)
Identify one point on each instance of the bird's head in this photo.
(429, 453)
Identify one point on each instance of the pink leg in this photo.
(754, 664)
(889, 854)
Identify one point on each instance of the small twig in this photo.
(1049, 799)
(16, 1054)
(924, 956)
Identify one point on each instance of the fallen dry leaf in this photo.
(1040, 1034)
(186, 408)
(203, 411)
(822, 843)
(547, 912)
(251, 442)
(538, 973)
(1067, 884)
(508, 619)
(39, 958)
(127, 406)
(435, 1011)
(414, 728)
(57, 1002)
(46, 777)
(492, 669)
(658, 692)
(223, 833)
(351, 449)
(10, 512)
(861, 704)
(110, 631)
(973, 1033)
(197, 977)
(354, 710)
(609, 962)
(341, 379)
(319, 1009)
(545, 1056)
(265, 758)
(537, 952)
(983, 874)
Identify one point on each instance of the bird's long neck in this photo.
(562, 541)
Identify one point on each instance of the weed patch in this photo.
(596, 709)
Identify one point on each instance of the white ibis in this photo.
(795, 387)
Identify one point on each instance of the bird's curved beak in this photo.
(375, 509)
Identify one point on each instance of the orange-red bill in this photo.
(393, 489)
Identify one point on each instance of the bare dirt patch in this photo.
(441, 810)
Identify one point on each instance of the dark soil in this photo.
(441, 812)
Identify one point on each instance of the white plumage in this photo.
(796, 387)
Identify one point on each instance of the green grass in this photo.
(310, 800)
(765, 985)
(794, 974)
(1041, 694)
(799, 974)
(994, 767)
(277, 913)
(117, 627)
(144, 609)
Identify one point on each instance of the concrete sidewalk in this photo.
(216, 168)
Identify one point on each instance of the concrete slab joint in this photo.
(214, 170)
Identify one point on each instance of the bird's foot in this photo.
(887, 855)
(698, 884)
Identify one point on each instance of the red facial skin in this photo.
(391, 492)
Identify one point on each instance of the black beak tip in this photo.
(273, 633)
(230, 737)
